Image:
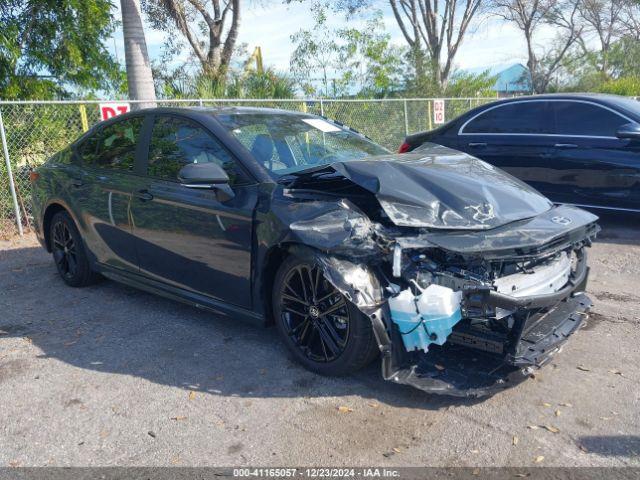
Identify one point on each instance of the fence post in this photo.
(406, 118)
(12, 186)
(321, 108)
(200, 101)
(83, 118)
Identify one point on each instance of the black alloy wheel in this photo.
(324, 331)
(69, 252)
(64, 250)
(315, 314)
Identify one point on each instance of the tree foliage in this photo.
(315, 57)
(437, 28)
(55, 48)
(209, 27)
(368, 58)
(529, 16)
(583, 71)
(465, 84)
(346, 61)
(238, 84)
(434, 31)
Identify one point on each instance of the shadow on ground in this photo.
(612, 445)
(621, 228)
(114, 328)
(117, 329)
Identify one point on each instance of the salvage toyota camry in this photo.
(461, 277)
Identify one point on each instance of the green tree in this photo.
(345, 61)
(239, 84)
(209, 27)
(471, 85)
(627, 86)
(316, 52)
(584, 73)
(55, 48)
(267, 84)
(544, 63)
(370, 60)
(434, 31)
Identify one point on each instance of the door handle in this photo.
(143, 195)
(566, 145)
(76, 182)
(477, 144)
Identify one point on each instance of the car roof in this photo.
(625, 105)
(603, 98)
(225, 109)
(196, 113)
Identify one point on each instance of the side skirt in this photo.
(181, 295)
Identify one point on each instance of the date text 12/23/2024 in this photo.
(315, 472)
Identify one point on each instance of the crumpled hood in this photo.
(443, 188)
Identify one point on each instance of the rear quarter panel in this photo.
(52, 188)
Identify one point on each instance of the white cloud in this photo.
(271, 27)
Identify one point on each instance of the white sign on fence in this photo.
(108, 110)
(438, 111)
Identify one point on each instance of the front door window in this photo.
(176, 142)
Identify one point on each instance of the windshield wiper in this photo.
(315, 171)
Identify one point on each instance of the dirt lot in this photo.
(112, 376)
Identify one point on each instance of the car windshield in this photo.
(286, 143)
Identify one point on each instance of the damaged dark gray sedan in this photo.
(462, 278)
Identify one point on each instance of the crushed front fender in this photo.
(454, 369)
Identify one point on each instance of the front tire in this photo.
(325, 332)
(69, 253)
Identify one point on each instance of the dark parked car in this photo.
(461, 276)
(579, 149)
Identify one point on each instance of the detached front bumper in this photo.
(468, 364)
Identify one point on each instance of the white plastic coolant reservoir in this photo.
(427, 318)
(403, 306)
(437, 301)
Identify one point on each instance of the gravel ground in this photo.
(108, 375)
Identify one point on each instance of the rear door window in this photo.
(114, 146)
(514, 118)
(176, 142)
(586, 119)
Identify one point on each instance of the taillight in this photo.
(404, 148)
(33, 176)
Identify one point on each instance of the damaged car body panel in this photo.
(438, 189)
(463, 303)
(466, 278)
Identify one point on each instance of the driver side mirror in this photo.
(206, 176)
(629, 131)
(202, 175)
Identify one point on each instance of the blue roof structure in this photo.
(510, 78)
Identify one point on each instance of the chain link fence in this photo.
(34, 131)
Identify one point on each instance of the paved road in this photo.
(112, 376)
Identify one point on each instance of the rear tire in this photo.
(69, 253)
(325, 332)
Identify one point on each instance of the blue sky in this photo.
(270, 24)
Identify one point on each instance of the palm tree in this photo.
(139, 77)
